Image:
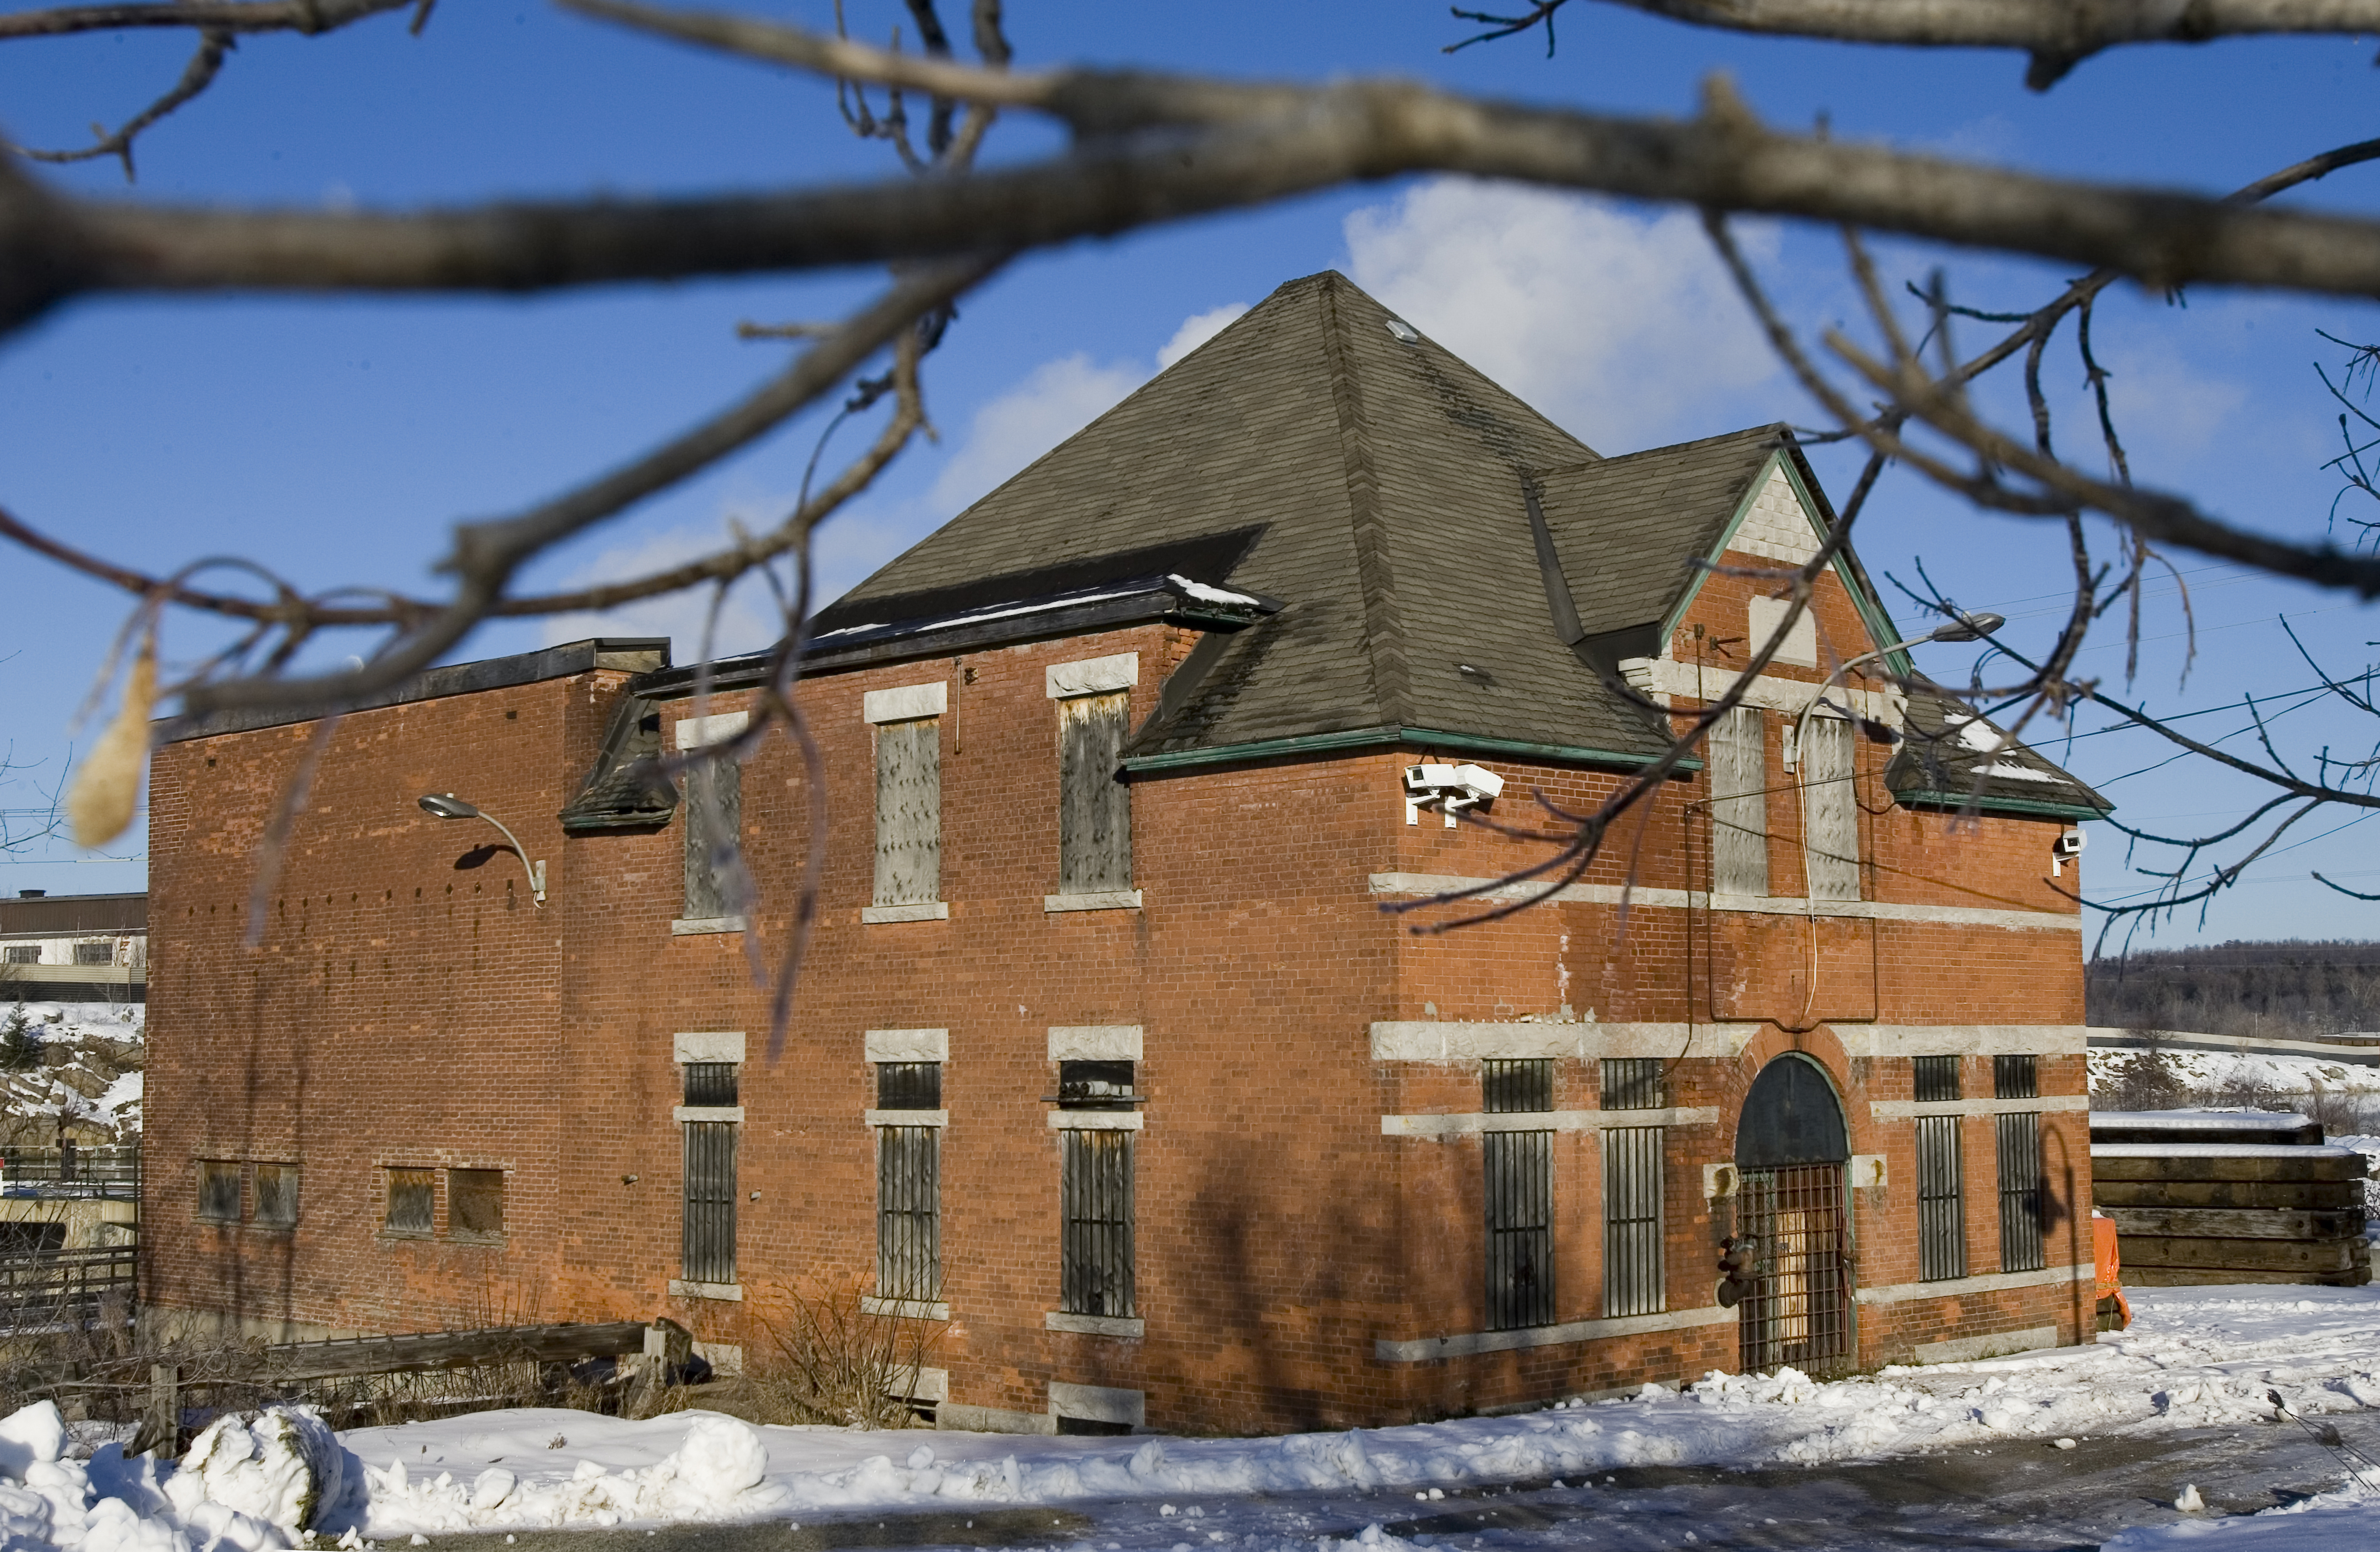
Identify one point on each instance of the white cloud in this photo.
(1055, 400)
(748, 620)
(1197, 329)
(1620, 326)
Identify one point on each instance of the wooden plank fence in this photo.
(2212, 1197)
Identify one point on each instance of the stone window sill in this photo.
(1113, 899)
(690, 926)
(679, 1288)
(908, 1117)
(734, 1113)
(903, 1309)
(1095, 1325)
(928, 910)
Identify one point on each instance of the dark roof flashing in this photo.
(635, 654)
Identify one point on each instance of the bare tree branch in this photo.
(200, 74)
(1251, 152)
(2059, 35)
(309, 17)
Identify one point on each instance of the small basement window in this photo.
(1094, 1086)
(219, 1190)
(276, 1195)
(412, 1197)
(475, 1204)
(1938, 1078)
(709, 1083)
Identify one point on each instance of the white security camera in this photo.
(1453, 788)
(2064, 849)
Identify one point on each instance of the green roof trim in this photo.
(2030, 808)
(1384, 736)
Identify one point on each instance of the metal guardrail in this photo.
(65, 1288)
(111, 1169)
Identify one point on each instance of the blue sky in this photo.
(338, 439)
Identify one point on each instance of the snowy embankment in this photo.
(74, 1061)
(2195, 1357)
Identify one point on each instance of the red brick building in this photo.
(1106, 1052)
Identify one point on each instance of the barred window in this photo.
(1520, 1197)
(1096, 1204)
(1632, 1280)
(412, 1201)
(219, 1190)
(1941, 1197)
(475, 1204)
(2021, 1193)
(707, 1248)
(1635, 1083)
(1937, 1078)
(908, 1185)
(2016, 1077)
(276, 1195)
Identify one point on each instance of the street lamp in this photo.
(445, 805)
(1957, 628)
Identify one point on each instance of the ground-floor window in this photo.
(1519, 1196)
(1096, 1208)
(708, 1248)
(909, 1184)
(1941, 1200)
(2019, 1161)
(1633, 1282)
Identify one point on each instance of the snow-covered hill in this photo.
(76, 1060)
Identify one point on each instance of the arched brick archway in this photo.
(1791, 1145)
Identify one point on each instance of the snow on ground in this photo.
(2207, 1070)
(97, 1078)
(2193, 1357)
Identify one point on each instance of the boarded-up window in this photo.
(2019, 1137)
(714, 817)
(1095, 1274)
(908, 812)
(1829, 810)
(276, 1195)
(219, 1190)
(1520, 1197)
(412, 1196)
(475, 1204)
(909, 1184)
(1094, 805)
(1739, 804)
(1941, 1199)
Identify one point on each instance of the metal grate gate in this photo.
(709, 1248)
(1520, 1229)
(1096, 1266)
(2020, 1171)
(1799, 1309)
(1941, 1200)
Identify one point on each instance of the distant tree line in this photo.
(2280, 989)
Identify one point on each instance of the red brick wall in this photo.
(402, 1010)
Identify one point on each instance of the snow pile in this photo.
(2195, 1358)
(243, 1487)
(715, 1473)
(2346, 1521)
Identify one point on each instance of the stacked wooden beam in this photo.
(2210, 1196)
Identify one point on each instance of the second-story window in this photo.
(1829, 810)
(1739, 817)
(908, 801)
(715, 819)
(1094, 805)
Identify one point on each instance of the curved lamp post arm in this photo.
(445, 805)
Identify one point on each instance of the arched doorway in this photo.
(1791, 1148)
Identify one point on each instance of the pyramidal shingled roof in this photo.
(1374, 486)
